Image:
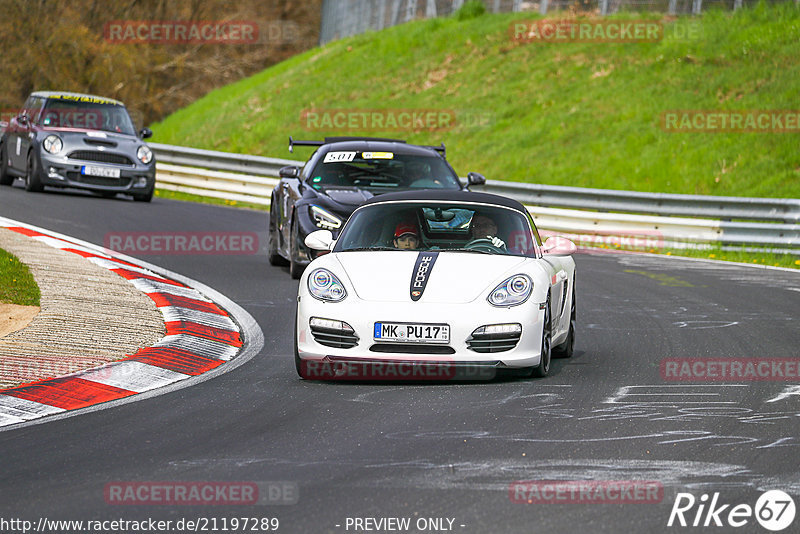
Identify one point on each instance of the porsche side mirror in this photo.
(474, 178)
(145, 133)
(558, 246)
(22, 119)
(319, 240)
(290, 171)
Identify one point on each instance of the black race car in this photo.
(340, 175)
(80, 141)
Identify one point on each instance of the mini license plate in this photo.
(412, 332)
(105, 172)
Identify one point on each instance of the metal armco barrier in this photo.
(671, 217)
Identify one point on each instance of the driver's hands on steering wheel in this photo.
(496, 241)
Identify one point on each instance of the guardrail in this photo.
(671, 217)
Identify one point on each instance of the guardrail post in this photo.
(430, 9)
(697, 7)
(604, 7)
(737, 4)
(543, 7)
(673, 7)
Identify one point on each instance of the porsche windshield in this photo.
(383, 171)
(87, 116)
(475, 228)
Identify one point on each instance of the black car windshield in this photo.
(468, 228)
(382, 171)
(87, 116)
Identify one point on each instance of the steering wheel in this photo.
(484, 244)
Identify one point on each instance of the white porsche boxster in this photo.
(433, 285)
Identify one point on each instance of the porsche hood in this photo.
(425, 276)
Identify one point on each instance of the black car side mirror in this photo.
(290, 171)
(23, 119)
(474, 178)
(144, 133)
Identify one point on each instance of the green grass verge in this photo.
(791, 261)
(17, 285)
(577, 114)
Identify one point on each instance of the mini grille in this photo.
(98, 180)
(102, 157)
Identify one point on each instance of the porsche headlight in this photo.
(323, 285)
(511, 291)
(144, 154)
(53, 144)
(324, 219)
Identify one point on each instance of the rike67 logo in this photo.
(774, 510)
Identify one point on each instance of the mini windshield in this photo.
(87, 116)
(382, 171)
(439, 226)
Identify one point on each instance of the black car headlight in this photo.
(323, 218)
(53, 144)
(323, 285)
(144, 154)
(511, 291)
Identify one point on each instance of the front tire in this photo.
(273, 255)
(33, 182)
(144, 197)
(567, 348)
(541, 370)
(5, 178)
(295, 268)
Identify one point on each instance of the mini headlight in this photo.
(323, 285)
(511, 291)
(324, 219)
(144, 154)
(53, 144)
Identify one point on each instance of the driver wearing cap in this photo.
(406, 236)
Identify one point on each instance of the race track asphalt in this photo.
(433, 450)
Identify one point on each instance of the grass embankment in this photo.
(17, 285)
(578, 114)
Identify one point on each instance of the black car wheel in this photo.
(566, 349)
(541, 370)
(273, 255)
(295, 268)
(32, 181)
(144, 197)
(5, 178)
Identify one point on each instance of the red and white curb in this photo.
(201, 338)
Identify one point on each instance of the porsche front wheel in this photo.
(541, 370)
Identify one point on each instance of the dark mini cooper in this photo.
(76, 140)
(340, 175)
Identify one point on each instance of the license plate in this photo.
(412, 332)
(105, 172)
